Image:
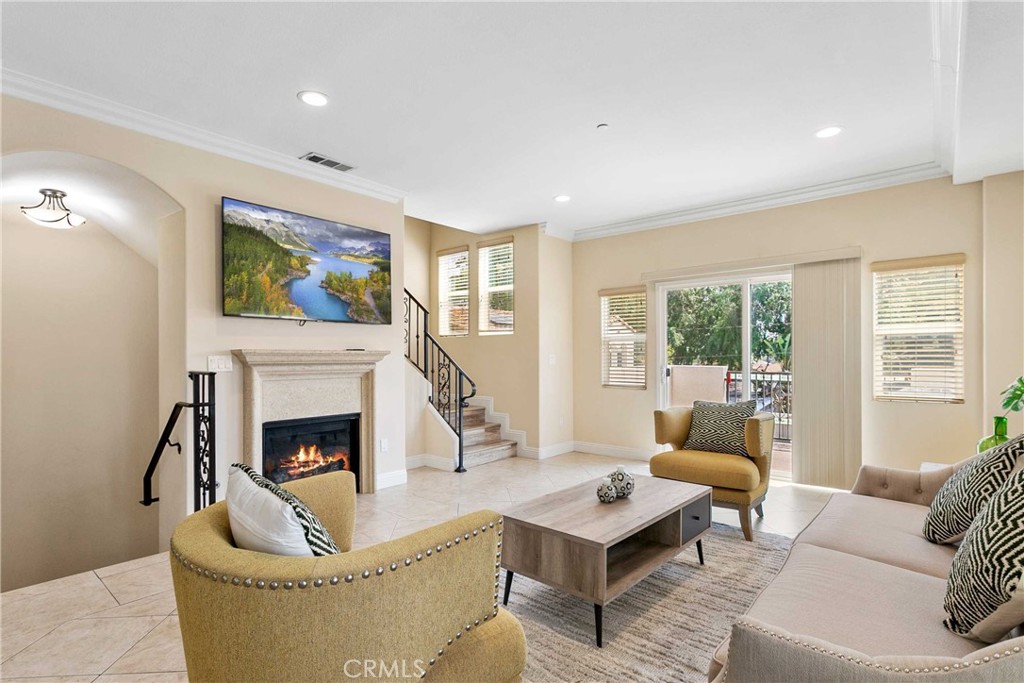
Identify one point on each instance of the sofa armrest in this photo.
(672, 426)
(403, 600)
(906, 486)
(760, 652)
(333, 500)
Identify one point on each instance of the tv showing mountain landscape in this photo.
(280, 264)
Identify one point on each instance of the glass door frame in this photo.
(744, 280)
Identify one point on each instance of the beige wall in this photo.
(933, 217)
(504, 366)
(80, 400)
(1003, 243)
(197, 180)
(417, 258)
(555, 419)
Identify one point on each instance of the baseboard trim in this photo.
(437, 462)
(612, 451)
(545, 452)
(388, 479)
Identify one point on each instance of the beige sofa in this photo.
(424, 604)
(860, 598)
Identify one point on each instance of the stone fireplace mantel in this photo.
(284, 384)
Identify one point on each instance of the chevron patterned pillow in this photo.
(719, 427)
(965, 493)
(984, 595)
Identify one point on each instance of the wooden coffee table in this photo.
(571, 541)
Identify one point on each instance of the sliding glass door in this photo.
(728, 340)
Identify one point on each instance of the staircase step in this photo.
(482, 454)
(489, 432)
(472, 416)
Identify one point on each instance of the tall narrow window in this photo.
(624, 337)
(919, 329)
(497, 287)
(453, 292)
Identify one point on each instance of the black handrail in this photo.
(438, 368)
(203, 443)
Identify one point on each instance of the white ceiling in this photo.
(482, 112)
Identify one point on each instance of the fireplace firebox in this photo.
(293, 449)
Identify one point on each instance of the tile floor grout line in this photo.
(108, 589)
(120, 656)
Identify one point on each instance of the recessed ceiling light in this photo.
(829, 132)
(602, 126)
(313, 98)
(562, 197)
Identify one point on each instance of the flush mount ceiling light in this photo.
(313, 98)
(51, 212)
(829, 132)
(562, 197)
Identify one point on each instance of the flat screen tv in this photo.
(281, 264)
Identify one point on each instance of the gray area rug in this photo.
(663, 629)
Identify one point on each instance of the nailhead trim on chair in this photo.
(875, 665)
(379, 571)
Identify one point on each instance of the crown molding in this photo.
(948, 22)
(50, 94)
(872, 181)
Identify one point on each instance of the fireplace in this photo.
(294, 449)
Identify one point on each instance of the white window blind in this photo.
(453, 292)
(919, 329)
(624, 338)
(497, 287)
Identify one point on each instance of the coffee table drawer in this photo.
(696, 518)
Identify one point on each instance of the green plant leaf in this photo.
(1013, 396)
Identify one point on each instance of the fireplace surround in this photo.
(282, 384)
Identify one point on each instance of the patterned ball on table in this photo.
(606, 491)
(622, 481)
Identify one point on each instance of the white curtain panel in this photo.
(826, 372)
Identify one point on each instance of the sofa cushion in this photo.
(888, 531)
(965, 493)
(857, 603)
(710, 469)
(720, 427)
(985, 598)
(266, 518)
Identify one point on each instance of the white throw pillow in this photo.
(263, 521)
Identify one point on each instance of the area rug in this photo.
(663, 629)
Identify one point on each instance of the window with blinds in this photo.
(919, 329)
(624, 338)
(497, 287)
(453, 292)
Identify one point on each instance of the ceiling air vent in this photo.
(321, 160)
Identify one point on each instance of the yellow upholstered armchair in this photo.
(425, 604)
(737, 482)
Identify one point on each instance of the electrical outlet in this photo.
(219, 363)
(384, 446)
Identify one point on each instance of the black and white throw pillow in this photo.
(720, 427)
(266, 518)
(965, 493)
(984, 595)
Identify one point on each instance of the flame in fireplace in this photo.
(310, 458)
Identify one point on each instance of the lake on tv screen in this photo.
(282, 264)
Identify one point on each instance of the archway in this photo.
(93, 357)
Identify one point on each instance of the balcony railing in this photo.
(773, 392)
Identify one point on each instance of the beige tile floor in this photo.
(118, 624)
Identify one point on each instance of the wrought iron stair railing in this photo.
(450, 386)
(204, 435)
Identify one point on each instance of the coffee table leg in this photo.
(508, 584)
(700, 552)
(597, 623)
